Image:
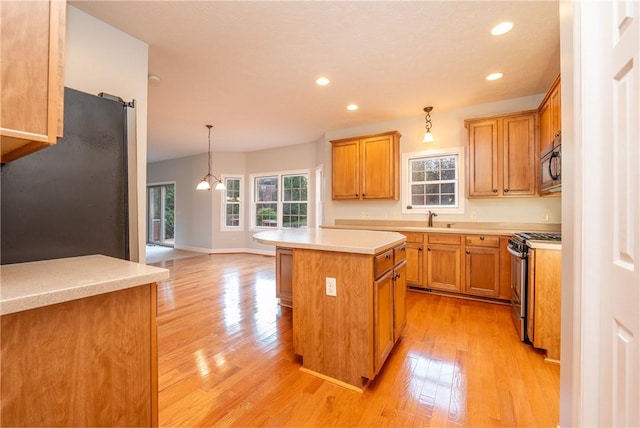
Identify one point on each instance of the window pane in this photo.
(417, 200)
(448, 187)
(267, 189)
(433, 188)
(267, 215)
(447, 200)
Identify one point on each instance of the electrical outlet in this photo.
(545, 217)
(330, 286)
(474, 216)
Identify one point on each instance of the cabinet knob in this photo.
(506, 190)
(363, 195)
(428, 248)
(482, 237)
(495, 190)
(387, 256)
(468, 252)
(419, 248)
(357, 195)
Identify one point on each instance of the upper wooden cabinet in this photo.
(366, 167)
(502, 155)
(550, 116)
(32, 75)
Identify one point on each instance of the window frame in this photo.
(223, 205)
(461, 181)
(280, 197)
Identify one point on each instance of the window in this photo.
(433, 181)
(232, 204)
(280, 200)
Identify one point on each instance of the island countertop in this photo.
(31, 285)
(340, 240)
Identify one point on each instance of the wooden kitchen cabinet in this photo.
(550, 116)
(502, 155)
(544, 299)
(383, 295)
(415, 258)
(32, 75)
(399, 299)
(482, 265)
(444, 262)
(284, 276)
(366, 167)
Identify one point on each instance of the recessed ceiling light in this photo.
(322, 81)
(494, 76)
(352, 107)
(501, 28)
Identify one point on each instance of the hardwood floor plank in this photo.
(226, 358)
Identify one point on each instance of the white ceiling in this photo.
(249, 68)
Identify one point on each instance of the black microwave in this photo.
(550, 168)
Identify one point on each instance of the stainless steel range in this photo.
(519, 248)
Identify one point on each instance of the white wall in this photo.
(101, 58)
(449, 131)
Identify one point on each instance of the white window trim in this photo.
(223, 205)
(406, 190)
(279, 174)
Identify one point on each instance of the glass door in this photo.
(160, 209)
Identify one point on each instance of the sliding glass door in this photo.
(160, 209)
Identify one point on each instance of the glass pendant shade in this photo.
(428, 137)
(205, 183)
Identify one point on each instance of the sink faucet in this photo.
(431, 216)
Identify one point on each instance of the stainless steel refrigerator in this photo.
(71, 199)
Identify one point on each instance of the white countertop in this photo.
(346, 241)
(31, 285)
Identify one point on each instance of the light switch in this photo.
(330, 286)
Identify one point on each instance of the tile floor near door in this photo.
(160, 253)
(226, 359)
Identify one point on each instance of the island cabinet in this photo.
(347, 337)
(32, 49)
(550, 116)
(502, 158)
(444, 266)
(366, 167)
(284, 272)
(544, 297)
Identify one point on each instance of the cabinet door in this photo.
(32, 34)
(399, 300)
(345, 170)
(546, 134)
(284, 276)
(483, 158)
(518, 153)
(556, 122)
(443, 267)
(482, 271)
(383, 316)
(415, 266)
(378, 173)
(505, 269)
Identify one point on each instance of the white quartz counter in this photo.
(346, 241)
(31, 285)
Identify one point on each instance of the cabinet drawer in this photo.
(399, 254)
(414, 237)
(382, 263)
(450, 239)
(482, 241)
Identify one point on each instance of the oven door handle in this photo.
(515, 253)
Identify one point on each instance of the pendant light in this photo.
(428, 136)
(205, 183)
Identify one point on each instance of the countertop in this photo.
(31, 285)
(346, 241)
(443, 227)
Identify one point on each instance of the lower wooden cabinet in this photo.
(444, 262)
(475, 265)
(284, 276)
(482, 265)
(383, 295)
(399, 299)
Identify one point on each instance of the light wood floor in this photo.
(226, 359)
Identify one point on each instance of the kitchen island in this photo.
(348, 298)
(78, 342)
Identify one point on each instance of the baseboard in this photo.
(226, 250)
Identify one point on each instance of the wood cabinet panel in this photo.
(382, 262)
(550, 116)
(482, 271)
(443, 267)
(399, 299)
(482, 241)
(545, 272)
(87, 362)
(502, 157)
(32, 98)
(366, 167)
(505, 269)
(415, 264)
(284, 276)
(383, 314)
(444, 238)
